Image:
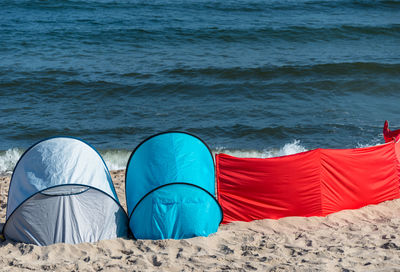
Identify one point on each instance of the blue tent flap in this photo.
(176, 211)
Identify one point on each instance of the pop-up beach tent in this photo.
(170, 188)
(61, 191)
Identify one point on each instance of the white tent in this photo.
(61, 191)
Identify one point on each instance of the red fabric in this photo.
(313, 183)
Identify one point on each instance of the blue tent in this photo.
(170, 188)
(61, 191)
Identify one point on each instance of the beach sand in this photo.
(366, 239)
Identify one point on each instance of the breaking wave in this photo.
(116, 159)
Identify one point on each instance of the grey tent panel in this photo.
(67, 214)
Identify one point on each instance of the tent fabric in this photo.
(173, 213)
(312, 183)
(61, 191)
(154, 176)
(55, 161)
(67, 220)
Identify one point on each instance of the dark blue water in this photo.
(253, 75)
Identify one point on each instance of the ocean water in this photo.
(251, 78)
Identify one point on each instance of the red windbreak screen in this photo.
(313, 183)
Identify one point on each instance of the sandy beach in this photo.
(352, 240)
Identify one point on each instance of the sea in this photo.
(252, 78)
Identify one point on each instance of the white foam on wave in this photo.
(115, 159)
(374, 142)
(8, 160)
(288, 149)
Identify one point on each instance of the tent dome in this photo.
(170, 188)
(61, 191)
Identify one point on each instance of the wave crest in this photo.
(288, 149)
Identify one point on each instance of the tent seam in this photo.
(320, 181)
(217, 176)
(396, 166)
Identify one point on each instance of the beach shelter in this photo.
(61, 192)
(170, 188)
(313, 183)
